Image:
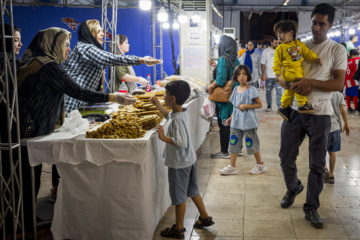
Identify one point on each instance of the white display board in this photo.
(194, 58)
(195, 46)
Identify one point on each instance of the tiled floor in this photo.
(248, 207)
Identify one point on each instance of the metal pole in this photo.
(11, 202)
(153, 18)
(110, 28)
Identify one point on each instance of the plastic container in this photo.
(123, 88)
(148, 87)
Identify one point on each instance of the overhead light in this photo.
(182, 17)
(176, 25)
(196, 16)
(162, 15)
(217, 11)
(145, 5)
(351, 31)
(286, 2)
(332, 34)
(337, 33)
(166, 25)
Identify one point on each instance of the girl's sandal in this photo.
(173, 233)
(332, 180)
(203, 222)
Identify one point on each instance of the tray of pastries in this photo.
(131, 121)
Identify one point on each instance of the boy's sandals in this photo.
(173, 233)
(327, 176)
(203, 222)
(332, 180)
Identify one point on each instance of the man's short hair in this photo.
(353, 36)
(325, 9)
(353, 52)
(273, 38)
(180, 90)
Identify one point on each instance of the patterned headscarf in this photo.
(228, 48)
(47, 46)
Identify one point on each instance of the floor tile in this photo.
(266, 213)
(223, 228)
(332, 229)
(268, 229)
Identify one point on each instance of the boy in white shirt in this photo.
(334, 140)
(180, 158)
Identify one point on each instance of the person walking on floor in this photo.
(224, 69)
(252, 59)
(180, 158)
(317, 84)
(351, 84)
(334, 140)
(268, 75)
(244, 122)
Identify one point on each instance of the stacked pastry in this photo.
(131, 121)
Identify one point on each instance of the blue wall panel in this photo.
(134, 23)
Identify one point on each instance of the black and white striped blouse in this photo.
(41, 95)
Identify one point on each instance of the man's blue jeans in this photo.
(270, 84)
(293, 132)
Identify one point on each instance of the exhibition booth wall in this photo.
(134, 23)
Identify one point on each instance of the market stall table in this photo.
(110, 188)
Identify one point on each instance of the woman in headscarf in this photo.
(252, 59)
(227, 49)
(42, 83)
(88, 60)
(125, 72)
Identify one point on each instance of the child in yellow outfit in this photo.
(289, 55)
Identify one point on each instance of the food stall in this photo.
(111, 188)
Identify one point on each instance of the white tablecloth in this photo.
(110, 189)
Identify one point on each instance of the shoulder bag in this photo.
(223, 94)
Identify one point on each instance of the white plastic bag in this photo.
(208, 109)
(74, 123)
